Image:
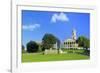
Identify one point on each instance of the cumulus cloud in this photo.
(31, 27)
(59, 17)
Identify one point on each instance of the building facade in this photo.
(71, 43)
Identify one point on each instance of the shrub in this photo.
(32, 46)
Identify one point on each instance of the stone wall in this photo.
(55, 51)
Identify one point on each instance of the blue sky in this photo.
(36, 23)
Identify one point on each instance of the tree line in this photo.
(49, 40)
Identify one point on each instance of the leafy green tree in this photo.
(48, 41)
(86, 43)
(83, 42)
(86, 46)
(32, 46)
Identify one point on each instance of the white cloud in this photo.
(59, 17)
(31, 27)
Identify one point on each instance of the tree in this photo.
(48, 41)
(32, 46)
(86, 43)
(83, 42)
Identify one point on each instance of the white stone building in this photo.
(71, 42)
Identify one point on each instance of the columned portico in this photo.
(70, 44)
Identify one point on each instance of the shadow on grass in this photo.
(86, 52)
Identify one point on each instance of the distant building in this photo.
(71, 42)
(57, 44)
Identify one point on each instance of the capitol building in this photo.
(71, 42)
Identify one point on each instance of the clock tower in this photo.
(74, 34)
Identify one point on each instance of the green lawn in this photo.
(30, 57)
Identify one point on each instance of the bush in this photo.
(86, 52)
(32, 46)
(70, 51)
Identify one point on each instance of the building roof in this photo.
(69, 40)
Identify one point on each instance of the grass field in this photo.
(30, 57)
